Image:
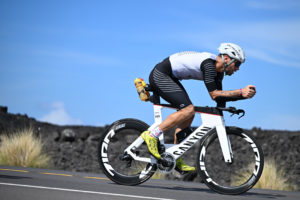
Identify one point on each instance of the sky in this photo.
(74, 62)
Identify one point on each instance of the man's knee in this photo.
(189, 111)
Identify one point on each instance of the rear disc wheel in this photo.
(116, 165)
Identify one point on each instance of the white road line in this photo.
(82, 191)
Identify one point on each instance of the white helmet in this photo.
(233, 51)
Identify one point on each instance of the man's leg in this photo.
(180, 165)
(181, 126)
(170, 89)
(179, 117)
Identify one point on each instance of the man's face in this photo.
(233, 67)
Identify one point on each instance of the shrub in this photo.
(23, 149)
(271, 178)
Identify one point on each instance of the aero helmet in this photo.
(233, 51)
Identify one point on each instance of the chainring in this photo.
(169, 158)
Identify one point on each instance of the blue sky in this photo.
(69, 62)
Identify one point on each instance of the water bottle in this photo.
(140, 86)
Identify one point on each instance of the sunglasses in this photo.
(237, 63)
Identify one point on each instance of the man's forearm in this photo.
(229, 93)
(220, 99)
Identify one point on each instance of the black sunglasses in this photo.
(237, 63)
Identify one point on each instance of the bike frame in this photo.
(210, 122)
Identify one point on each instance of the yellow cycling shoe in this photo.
(181, 166)
(151, 143)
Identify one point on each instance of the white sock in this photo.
(156, 132)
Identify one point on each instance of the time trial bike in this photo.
(229, 160)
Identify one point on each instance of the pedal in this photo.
(165, 162)
(161, 148)
(180, 171)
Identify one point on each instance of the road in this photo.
(26, 184)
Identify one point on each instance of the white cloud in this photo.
(274, 41)
(281, 32)
(58, 115)
(272, 4)
(267, 57)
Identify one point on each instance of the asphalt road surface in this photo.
(26, 184)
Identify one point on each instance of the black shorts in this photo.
(167, 86)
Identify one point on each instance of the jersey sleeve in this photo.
(212, 79)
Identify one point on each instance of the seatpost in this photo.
(156, 98)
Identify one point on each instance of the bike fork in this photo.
(224, 143)
(218, 122)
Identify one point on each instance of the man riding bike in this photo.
(165, 80)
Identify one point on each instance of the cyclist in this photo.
(165, 80)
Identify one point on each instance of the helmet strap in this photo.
(226, 64)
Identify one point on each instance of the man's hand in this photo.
(248, 91)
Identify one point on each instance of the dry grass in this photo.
(158, 175)
(23, 149)
(271, 178)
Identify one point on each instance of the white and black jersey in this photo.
(212, 79)
(186, 65)
(165, 77)
(197, 66)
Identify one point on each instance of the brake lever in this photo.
(234, 111)
(238, 112)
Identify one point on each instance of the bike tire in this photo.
(113, 142)
(235, 178)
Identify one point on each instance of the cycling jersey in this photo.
(198, 66)
(167, 86)
(165, 77)
(186, 65)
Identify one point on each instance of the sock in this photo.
(156, 132)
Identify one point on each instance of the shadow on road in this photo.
(255, 194)
(263, 195)
(14, 177)
(177, 188)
